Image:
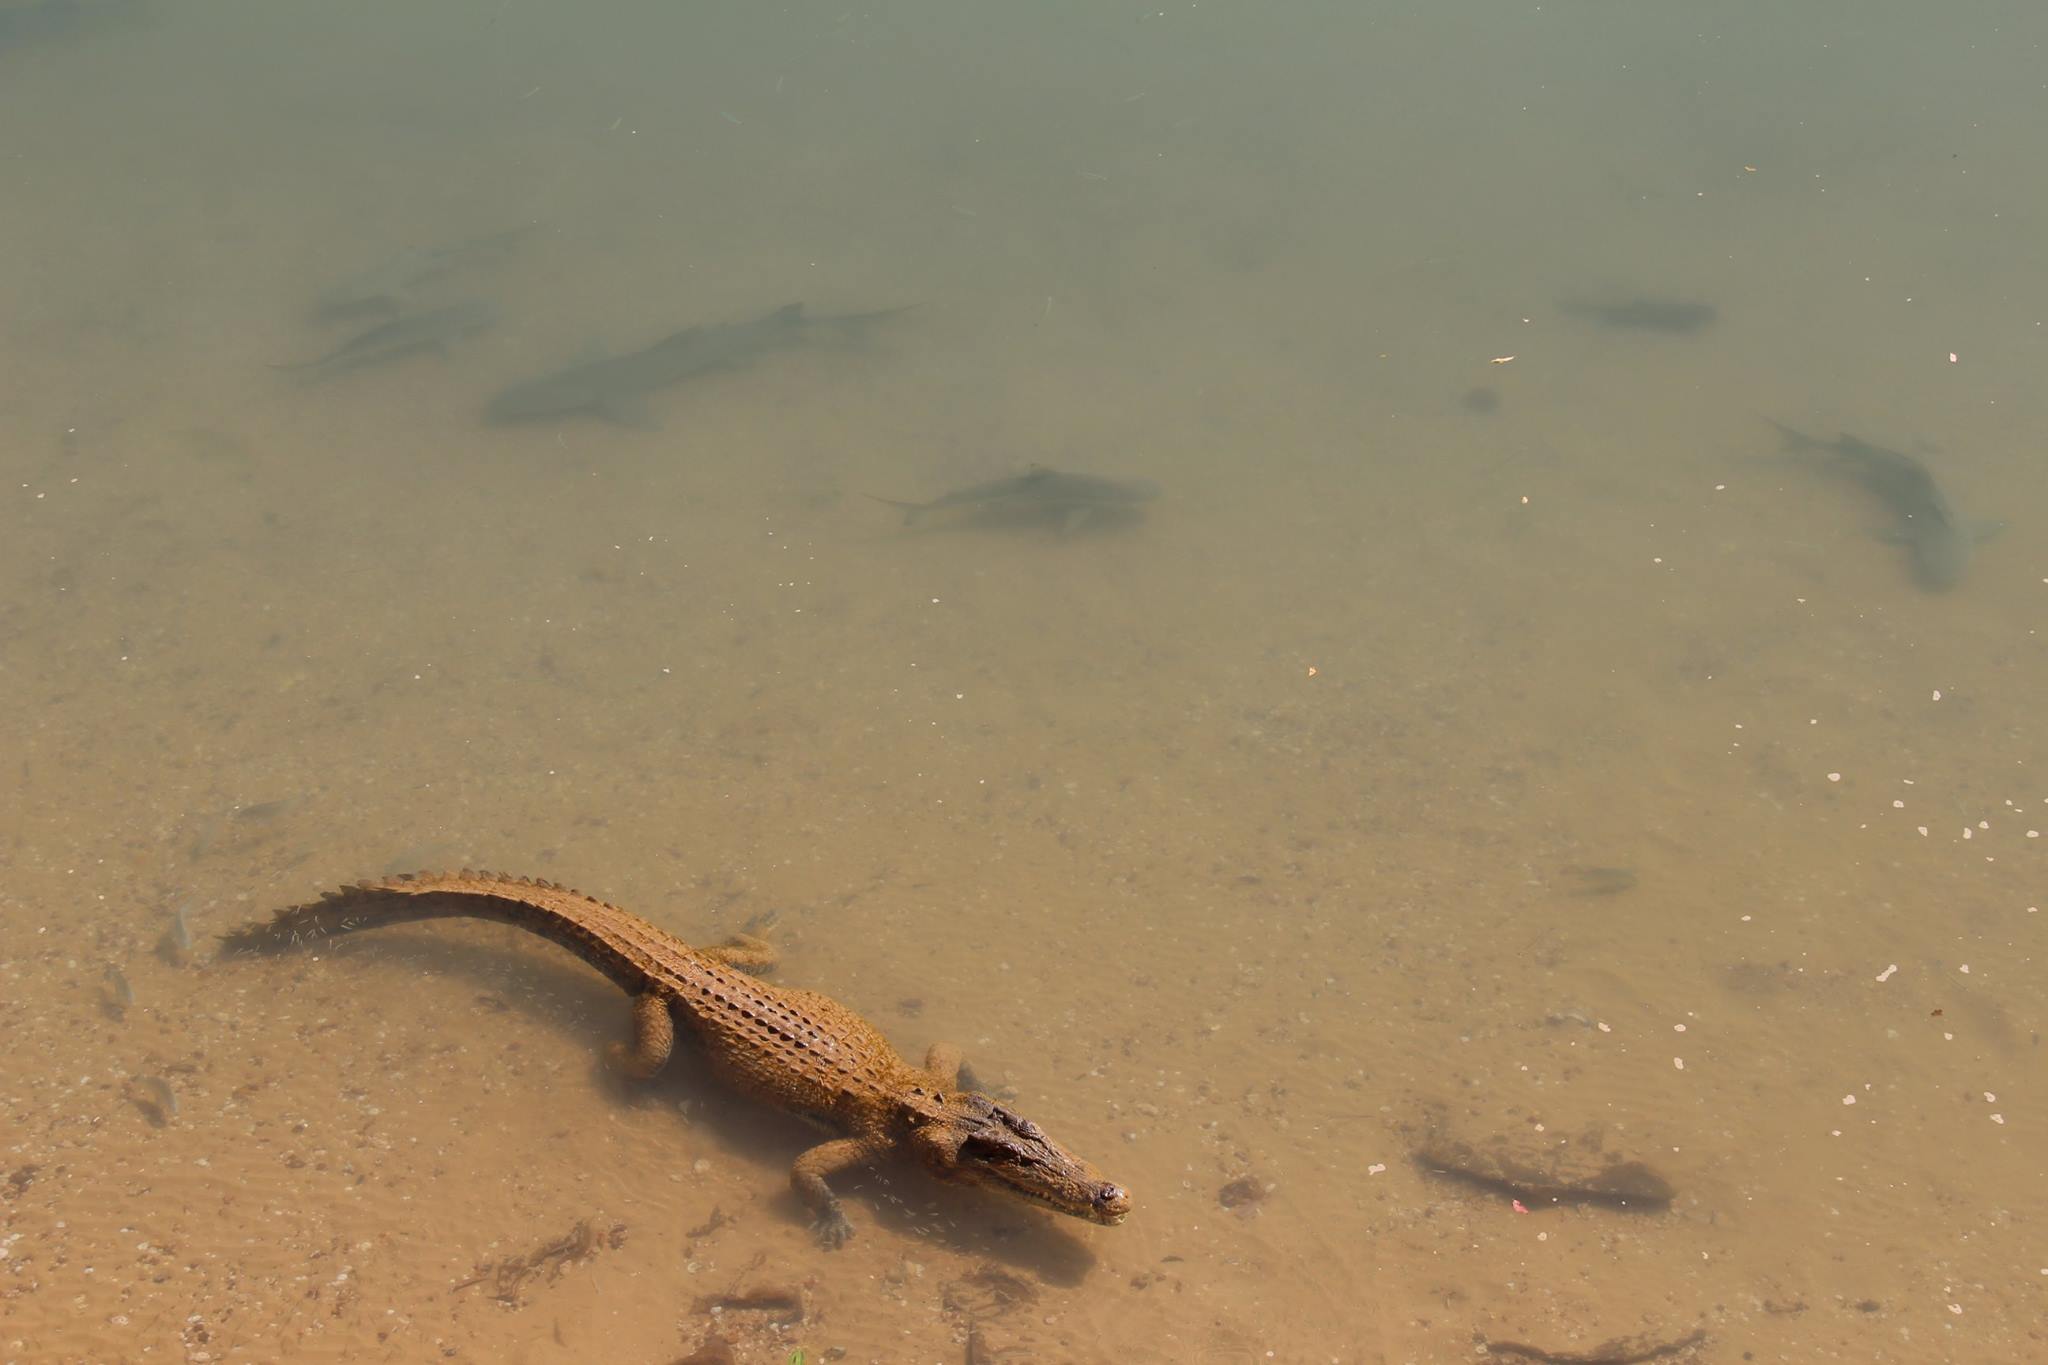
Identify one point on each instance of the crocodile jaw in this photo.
(974, 1140)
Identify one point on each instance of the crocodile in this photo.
(800, 1051)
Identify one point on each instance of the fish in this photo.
(389, 287)
(156, 1098)
(433, 330)
(1939, 543)
(1646, 315)
(1037, 495)
(240, 824)
(175, 947)
(120, 996)
(1598, 881)
(616, 387)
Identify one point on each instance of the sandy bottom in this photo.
(1551, 780)
(1246, 936)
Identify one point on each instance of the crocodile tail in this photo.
(601, 934)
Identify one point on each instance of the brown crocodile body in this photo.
(795, 1049)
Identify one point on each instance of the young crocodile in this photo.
(793, 1048)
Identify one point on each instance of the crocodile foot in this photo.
(831, 1228)
(973, 1080)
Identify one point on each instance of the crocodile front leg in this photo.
(745, 952)
(654, 1037)
(944, 1061)
(808, 1176)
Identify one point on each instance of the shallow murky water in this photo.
(1485, 764)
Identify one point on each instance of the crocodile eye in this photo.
(990, 1152)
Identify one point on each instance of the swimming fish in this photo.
(1646, 315)
(616, 387)
(1939, 541)
(1037, 495)
(432, 330)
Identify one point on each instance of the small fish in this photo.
(238, 824)
(1038, 495)
(264, 810)
(1939, 541)
(1646, 315)
(616, 387)
(120, 995)
(154, 1093)
(1599, 881)
(436, 329)
(388, 287)
(175, 947)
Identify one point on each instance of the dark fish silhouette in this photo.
(1037, 495)
(1646, 315)
(433, 330)
(616, 387)
(1939, 542)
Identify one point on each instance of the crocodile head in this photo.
(966, 1136)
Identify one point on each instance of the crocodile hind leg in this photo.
(744, 951)
(654, 1037)
(829, 1223)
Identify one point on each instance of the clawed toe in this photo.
(831, 1229)
(972, 1080)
